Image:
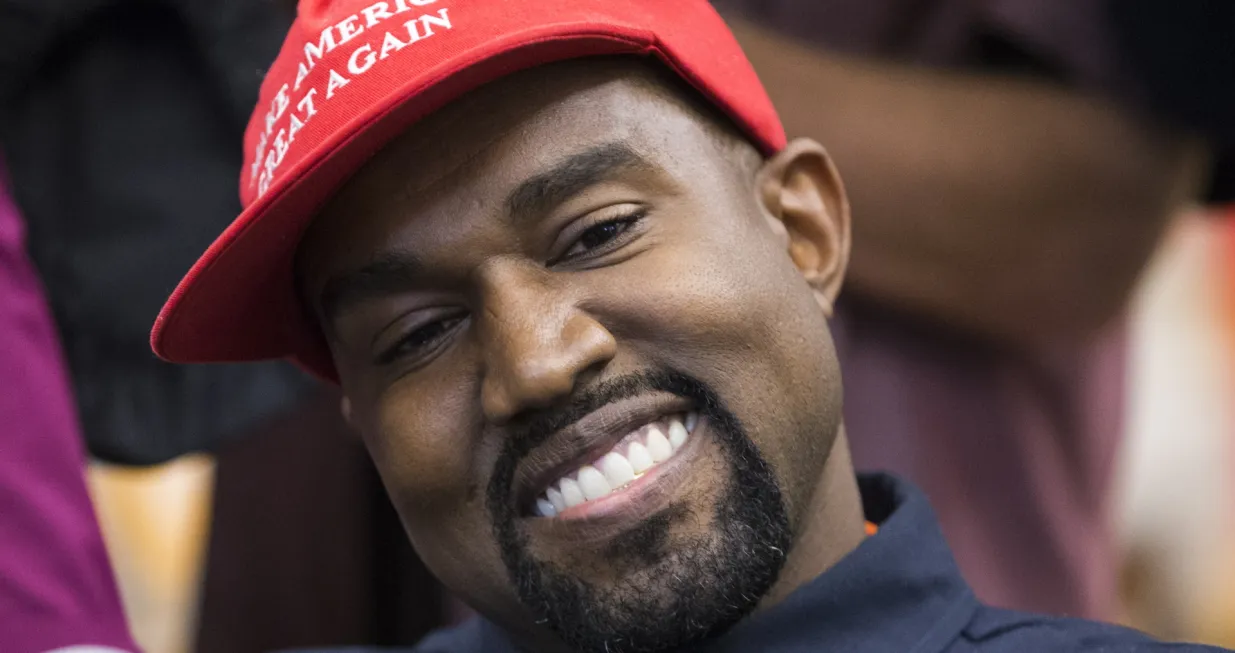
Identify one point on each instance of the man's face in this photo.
(572, 319)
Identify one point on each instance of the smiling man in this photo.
(575, 284)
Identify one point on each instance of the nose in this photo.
(538, 344)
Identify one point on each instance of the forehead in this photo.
(466, 157)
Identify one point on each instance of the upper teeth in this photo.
(638, 452)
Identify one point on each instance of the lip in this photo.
(587, 440)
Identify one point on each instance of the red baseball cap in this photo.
(351, 76)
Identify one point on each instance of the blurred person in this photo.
(1014, 165)
(121, 119)
(117, 119)
(577, 306)
(56, 586)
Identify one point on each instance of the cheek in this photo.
(423, 452)
(732, 310)
(436, 473)
(719, 298)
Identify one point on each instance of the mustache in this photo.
(537, 426)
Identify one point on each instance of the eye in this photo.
(419, 341)
(603, 235)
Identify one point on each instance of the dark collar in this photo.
(900, 590)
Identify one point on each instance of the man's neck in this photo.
(833, 525)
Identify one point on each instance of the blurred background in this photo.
(1039, 327)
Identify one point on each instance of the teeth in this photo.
(677, 433)
(617, 470)
(639, 458)
(571, 493)
(555, 497)
(593, 483)
(644, 449)
(658, 446)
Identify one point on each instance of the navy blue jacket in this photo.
(899, 592)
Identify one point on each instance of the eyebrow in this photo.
(388, 273)
(541, 193)
(394, 271)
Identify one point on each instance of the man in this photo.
(574, 284)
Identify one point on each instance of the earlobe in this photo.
(806, 207)
(345, 407)
(349, 417)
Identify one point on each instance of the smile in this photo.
(638, 453)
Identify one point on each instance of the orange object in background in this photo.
(1227, 216)
(1219, 625)
(156, 522)
(1216, 623)
(1179, 564)
(1223, 620)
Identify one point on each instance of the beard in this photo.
(685, 588)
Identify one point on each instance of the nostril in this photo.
(538, 381)
(529, 384)
(496, 403)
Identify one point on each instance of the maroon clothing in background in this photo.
(306, 549)
(56, 584)
(1015, 449)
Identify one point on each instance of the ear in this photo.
(805, 204)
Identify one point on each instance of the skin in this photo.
(726, 272)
